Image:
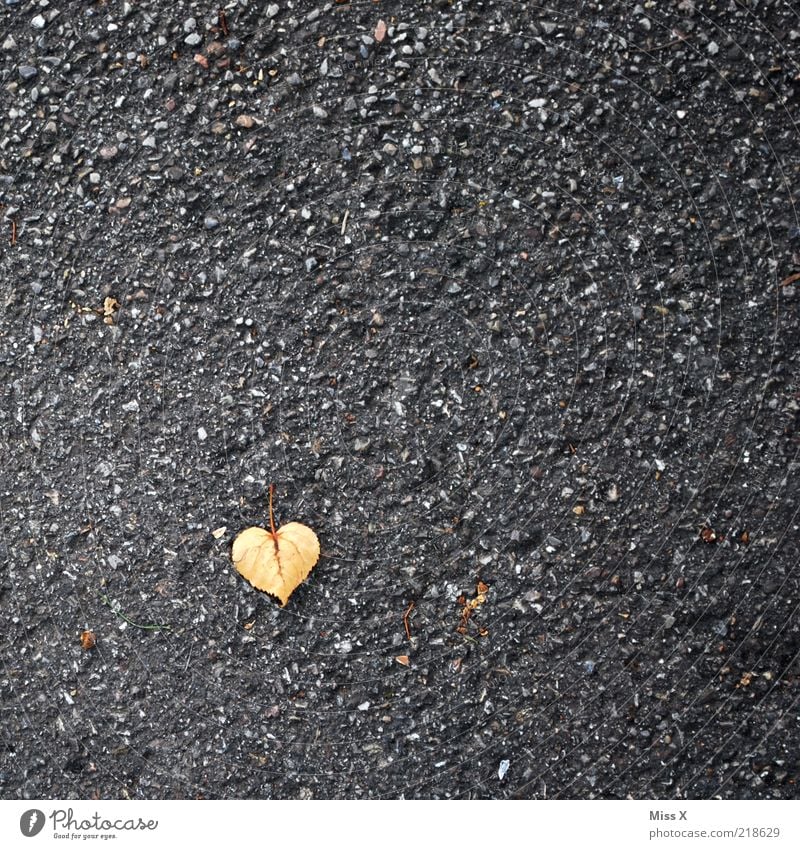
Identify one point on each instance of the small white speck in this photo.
(503, 769)
(201, 434)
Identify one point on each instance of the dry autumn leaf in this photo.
(276, 562)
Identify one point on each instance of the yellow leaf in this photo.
(276, 562)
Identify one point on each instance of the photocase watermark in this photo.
(32, 822)
(65, 825)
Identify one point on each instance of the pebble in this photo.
(210, 223)
(27, 72)
(272, 10)
(193, 39)
(202, 434)
(319, 112)
(108, 151)
(38, 22)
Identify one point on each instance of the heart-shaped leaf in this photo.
(276, 562)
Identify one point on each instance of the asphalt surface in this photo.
(501, 297)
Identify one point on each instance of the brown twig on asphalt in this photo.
(405, 619)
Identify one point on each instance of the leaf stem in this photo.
(271, 517)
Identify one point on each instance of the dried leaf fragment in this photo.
(709, 535)
(110, 306)
(88, 640)
(276, 562)
(469, 606)
(745, 680)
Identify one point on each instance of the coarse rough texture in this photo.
(507, 296)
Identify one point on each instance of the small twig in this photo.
(153, 627)
(13, 232)
(405, 619)
(669, 44)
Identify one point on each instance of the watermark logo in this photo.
(66, 825)
(31, 822)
